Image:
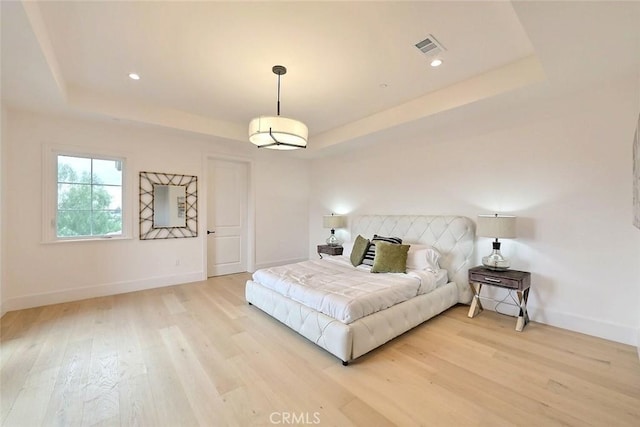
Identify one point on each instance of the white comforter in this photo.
(334, 287)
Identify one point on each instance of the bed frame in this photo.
(453, 236)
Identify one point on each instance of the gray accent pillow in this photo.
(360, 246)
(390, 258)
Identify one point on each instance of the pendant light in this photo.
(276, 132)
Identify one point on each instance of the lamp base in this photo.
(496, 261)
(332, 240)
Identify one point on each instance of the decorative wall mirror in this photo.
(168, 206)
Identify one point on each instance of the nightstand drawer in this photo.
(496, 281)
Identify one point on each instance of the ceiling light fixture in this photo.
(134, 76)
(436, 62)
(275, 132)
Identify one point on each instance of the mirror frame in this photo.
(147, 229)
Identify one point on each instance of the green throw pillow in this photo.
(360, 246)
(390, 258)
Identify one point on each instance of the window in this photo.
(89, 197)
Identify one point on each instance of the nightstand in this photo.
(512, 280)
(329, 250)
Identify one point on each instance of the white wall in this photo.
(562, 166)
(283, 213)
(638, 232)
(2, 206)
(38, 274)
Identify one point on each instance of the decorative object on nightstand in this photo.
(511, 280)
(498, 227)
(329, 250)
(334, 221)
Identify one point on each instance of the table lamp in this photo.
(334, 221)
(498, 227)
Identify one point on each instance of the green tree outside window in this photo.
(89, 197)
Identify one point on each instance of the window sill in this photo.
(87, 239)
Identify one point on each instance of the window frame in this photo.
(50, 193)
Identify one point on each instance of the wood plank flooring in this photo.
(198, 355)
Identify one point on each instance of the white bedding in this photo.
(334, 287)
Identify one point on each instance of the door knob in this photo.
(210, 232)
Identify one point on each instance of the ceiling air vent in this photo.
(430, 46)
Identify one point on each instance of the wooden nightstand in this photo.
(512, 280)
(329, 250)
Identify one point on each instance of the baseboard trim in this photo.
(574, 322)
(586, 325)
(94, 291)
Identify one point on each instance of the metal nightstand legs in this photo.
(523, 296)
(523, 316)
(476, 305)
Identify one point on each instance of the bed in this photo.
(354, 335)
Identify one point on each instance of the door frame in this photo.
(251, 210)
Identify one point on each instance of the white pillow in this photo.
(347, 247)
(423, 257)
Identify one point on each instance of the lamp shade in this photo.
(278, 133)
(496, 226)
(334, 221)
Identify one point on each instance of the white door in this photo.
(227, 217)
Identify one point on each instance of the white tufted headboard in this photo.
(453, 236)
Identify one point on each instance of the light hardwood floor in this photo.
(197, 354)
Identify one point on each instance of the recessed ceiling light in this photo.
(134, 76)
(436, 62)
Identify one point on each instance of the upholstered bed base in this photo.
(349, 341)
(453, 236)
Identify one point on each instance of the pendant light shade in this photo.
(276, 132)
(264, 131)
